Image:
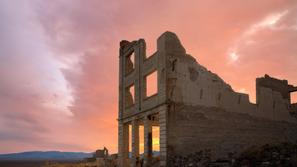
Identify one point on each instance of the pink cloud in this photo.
(73, 57)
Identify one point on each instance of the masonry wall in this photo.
(197, 110)
(191, 83)
(137, 108)
(206, 113)
(195, 128)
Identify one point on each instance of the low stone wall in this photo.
(191, 129)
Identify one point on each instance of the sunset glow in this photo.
(59, 60)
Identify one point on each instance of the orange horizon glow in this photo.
(155, 138)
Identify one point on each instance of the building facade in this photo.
(193, 107)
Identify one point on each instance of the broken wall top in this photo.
(182, 79)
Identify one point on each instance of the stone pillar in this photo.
(123, 144)
(163, 135)
(120, 142)
(148, 143)
(135, 142)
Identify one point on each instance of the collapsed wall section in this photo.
(206, 113)
(190, 83)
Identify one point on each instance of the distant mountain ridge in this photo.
(45, 155)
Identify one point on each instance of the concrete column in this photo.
(135, 142)
(120, 142)
(123, 145)
(148, 143)
(163, 136)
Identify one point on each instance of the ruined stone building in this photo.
(193, 107)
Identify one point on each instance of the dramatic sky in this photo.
(59, 59)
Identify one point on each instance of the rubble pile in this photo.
(201, 158)
(284, 154)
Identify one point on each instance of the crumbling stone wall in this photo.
(196, 109)
(137, 108)
(206, 113)
(194, 128)
(192, 84)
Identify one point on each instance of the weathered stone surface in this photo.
(221, 131)
(194, 107)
